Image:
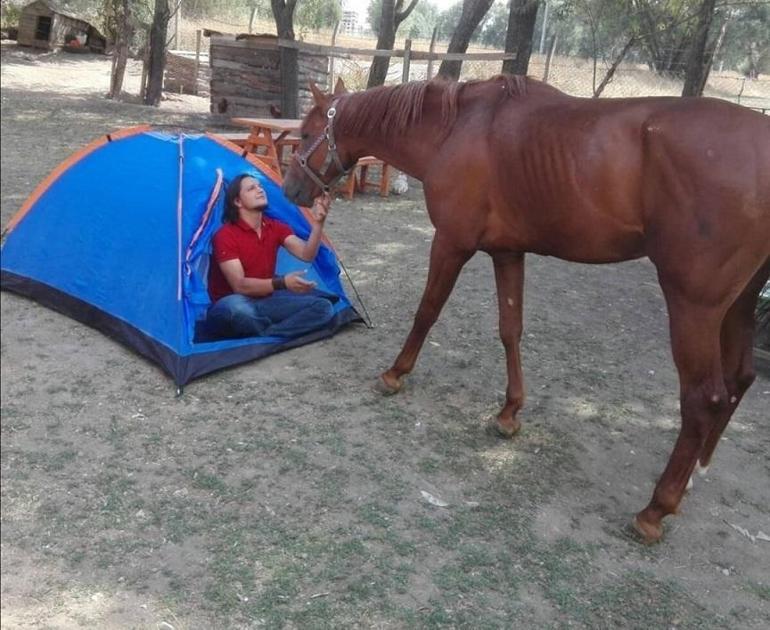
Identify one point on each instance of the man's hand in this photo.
(321, 205)
(297, 284)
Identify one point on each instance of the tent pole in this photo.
(368, 319)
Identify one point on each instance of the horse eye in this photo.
(305, 136)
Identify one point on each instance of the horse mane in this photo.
(395, 108)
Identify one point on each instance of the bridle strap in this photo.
(331, 154)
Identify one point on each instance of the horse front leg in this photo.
(446, 261)
(509, 277)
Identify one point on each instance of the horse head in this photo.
(319, 162)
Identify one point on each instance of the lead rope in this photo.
(367, 319)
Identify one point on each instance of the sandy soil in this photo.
(287, 493)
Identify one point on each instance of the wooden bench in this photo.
(358, 179)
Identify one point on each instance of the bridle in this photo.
(331, 154)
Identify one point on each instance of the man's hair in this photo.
(233, 190)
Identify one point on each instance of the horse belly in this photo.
(588, 239)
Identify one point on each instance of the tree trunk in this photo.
(473, 12)
(693, 80)
(119, 68)
(378, 71)
(157, 57)
(283, 12)
(711, 53)
(390, 19)
(549, 56)
(611, 72)
(518, 38)
(120, 51)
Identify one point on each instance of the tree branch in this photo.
(402, 15)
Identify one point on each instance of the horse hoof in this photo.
(650, 533)
(387, 386)
(504, 428)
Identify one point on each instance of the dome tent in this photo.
(118, 237)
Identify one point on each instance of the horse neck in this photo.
(409, 150)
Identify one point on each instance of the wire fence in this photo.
(572, 75)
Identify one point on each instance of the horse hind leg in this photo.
(737, 340)
(446, 262)
(695, 342)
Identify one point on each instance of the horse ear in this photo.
(320, 97)
(339, 87)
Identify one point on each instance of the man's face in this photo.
(251, 197)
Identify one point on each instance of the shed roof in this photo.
(57, 8)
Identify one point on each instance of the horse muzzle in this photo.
(297, 189)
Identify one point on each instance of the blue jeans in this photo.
(282, 314)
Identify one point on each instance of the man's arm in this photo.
(307, 250)
(261, 287)
(236, 278)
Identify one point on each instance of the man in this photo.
(248, 299)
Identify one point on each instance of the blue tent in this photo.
(118, 237)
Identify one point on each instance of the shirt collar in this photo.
(266, 221)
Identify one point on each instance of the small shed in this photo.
(44, 25)
(246, 74)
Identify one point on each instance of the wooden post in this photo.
(549, 56)
(429, 73)
(407, 54)
(198, 35)
(331, 58)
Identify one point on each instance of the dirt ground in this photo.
(286, 493)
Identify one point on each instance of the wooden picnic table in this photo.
(270, 135)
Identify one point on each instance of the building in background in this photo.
(44, 25)
(351, 21)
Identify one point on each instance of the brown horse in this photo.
(512, 165)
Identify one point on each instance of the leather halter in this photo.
(331, 154)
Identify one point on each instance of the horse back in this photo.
(595, 180)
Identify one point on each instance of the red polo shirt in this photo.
(256, 253)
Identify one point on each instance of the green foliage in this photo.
(448, 20)
(495, 25)
(746, 43)
(110, 16)
(318, 14)
(223, 8)
(420, 23)
(373, 14)
(9, 17)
